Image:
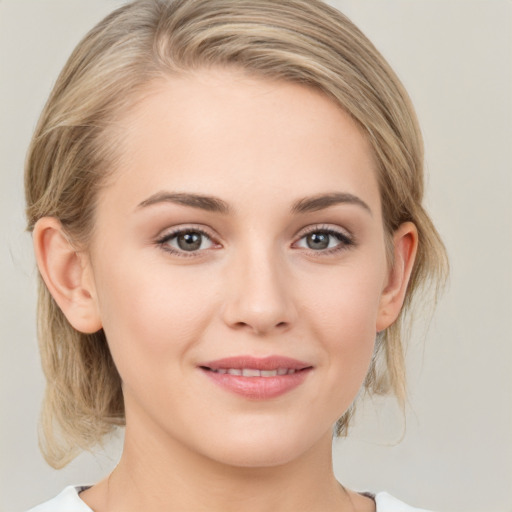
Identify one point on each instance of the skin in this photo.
(254, 287)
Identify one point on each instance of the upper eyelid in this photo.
(174, 231)
(324, 227)
(205, 230)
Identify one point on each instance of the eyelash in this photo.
(345, 241)
(163, 241)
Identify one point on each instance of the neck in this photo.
(152, 475)
(175, 479)
(158, 472)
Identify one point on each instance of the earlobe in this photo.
(67, 275)
(405, 244)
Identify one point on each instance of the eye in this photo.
(186, 241)
(328, 240)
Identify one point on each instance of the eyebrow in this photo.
(214, 204)
(322, 201)
(208, 203)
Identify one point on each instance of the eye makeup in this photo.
(324, 240)
(193, 241)
(189, 241)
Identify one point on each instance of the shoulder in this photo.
(387, 503)
(67, 501)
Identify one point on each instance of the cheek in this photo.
(151, 314)
(344, 312)
(346, 301)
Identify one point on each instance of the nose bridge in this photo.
(259, 298)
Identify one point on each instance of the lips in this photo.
(257, 378)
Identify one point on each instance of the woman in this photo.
(225, 200)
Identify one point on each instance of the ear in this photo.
(405, 244)
(67, 274)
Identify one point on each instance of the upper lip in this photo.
(256, 363)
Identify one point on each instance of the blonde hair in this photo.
(73, 150)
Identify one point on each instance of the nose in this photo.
(259, 296)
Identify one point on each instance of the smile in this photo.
(257, 378)
(252, 372)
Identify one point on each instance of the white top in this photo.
(69, 501)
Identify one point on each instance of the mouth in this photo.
(257, 378)
(253, 372)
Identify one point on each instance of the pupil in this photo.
(189, 241)
(318, 241)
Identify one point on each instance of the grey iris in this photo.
(318, 240)
(189, 241)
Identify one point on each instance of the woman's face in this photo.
(239, 266)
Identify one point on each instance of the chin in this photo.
(256, 457)
(266, 448)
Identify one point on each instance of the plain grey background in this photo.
(455, 58)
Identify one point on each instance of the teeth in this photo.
(248, 372)
(252, 372)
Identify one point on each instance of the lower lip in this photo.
(258, 388)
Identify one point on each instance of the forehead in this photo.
(216, 131)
